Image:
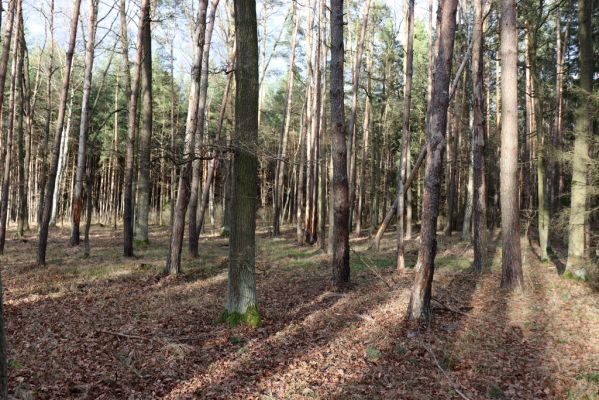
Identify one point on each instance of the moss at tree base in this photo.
(251, 317)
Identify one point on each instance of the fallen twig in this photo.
(125, 335)
(453, 385)
(372, 269)
(446, 307)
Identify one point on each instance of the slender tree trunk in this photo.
(173, 261)
(365, 140)
(241, 296)
(50, 186)
(583, 133)
(468, 207)
(405, 137)
(351, 128)
(19, 113)
(340, 192)
(511, 258)
(84, 124)
(11, 115)
(132, 126)
(207, 194)
(44, 155)
(479, 229)
(282, 156)
(419, 306)
(145, 131)
(193, 227)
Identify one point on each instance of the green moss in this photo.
(251, 317)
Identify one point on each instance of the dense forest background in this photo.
(436, 153)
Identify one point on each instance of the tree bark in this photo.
(479, 228)
(242, 244)
(145, 131)
(84, 125)
(419, 306)
(511, 258)
(582, 135)
(340, 192)
(50, 186)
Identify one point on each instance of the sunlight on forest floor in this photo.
(114, 328)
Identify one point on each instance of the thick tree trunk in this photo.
(340, 190)
(145, 131)
(131, 125)
(583, 133)
(511, 258)
(84, 124)
(419, 306)
(405, 136)
(173, 260)
(479, 225)
(50, 186)
(241, 297)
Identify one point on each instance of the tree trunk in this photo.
(405, 136)
(582, 135)
(50, 186)
(173, 261)
(511, 259)
(340, 192)
(145, 131)
(419, 306)
(479, 228)
(84, 124)
(282, 156)
(133, 91)
(19, 113)
(241, 296)
(351, 129)
(11, 112)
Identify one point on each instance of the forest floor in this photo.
(106, 327)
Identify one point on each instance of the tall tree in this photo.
(3, 68)
(280, 165)
(131, 128)
(77, 201)
(11, 114)
(340, 190)
(511, 258)
(173, 261)
(419, 306)
(479, 228)
(351, 129)
(241, 296)
(145, 129)
(194, 228)
(582, 135)
(50, 185)
(405, 132)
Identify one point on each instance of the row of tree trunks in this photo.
(173, 261)
(52, 173)
(84, 125)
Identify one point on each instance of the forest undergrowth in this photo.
(107, 327)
